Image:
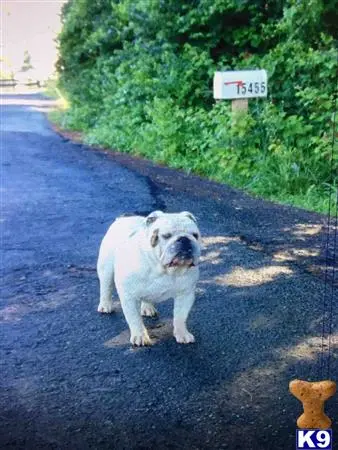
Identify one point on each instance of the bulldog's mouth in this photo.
(181, 262)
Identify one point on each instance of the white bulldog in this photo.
(150, 259)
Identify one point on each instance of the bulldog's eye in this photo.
(166, 236)
(195, 236)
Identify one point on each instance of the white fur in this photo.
(128, 258)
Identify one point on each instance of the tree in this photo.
(26, 62)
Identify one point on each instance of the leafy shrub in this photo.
(138, 75)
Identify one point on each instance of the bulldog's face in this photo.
(174, 238)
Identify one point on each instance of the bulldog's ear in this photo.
(153, 216)
(154, 238)
(191, 216)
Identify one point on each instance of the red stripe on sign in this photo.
(239, 83)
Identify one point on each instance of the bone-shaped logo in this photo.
(313, 396)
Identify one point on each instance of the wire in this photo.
(334, 263)
(327, 250)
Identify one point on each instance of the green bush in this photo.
(138, 75)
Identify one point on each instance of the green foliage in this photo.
(6, 70)
(27, 65)
(138, 75)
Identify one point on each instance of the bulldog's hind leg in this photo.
(148, 309)
(106, 277)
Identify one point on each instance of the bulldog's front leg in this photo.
(182, 307)
(132, 311)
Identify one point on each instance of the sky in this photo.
(30, 25)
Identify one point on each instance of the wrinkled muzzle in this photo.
(181, 252)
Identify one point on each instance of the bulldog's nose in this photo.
(184, 241)
(184, 246)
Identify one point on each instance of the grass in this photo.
(314, 199)
(57, 115)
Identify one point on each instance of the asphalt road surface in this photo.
(69, 378)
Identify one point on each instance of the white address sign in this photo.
(240, 84)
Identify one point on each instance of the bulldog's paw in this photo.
(140, 340)
(106, 307)
(184, 337)
(148, 310)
